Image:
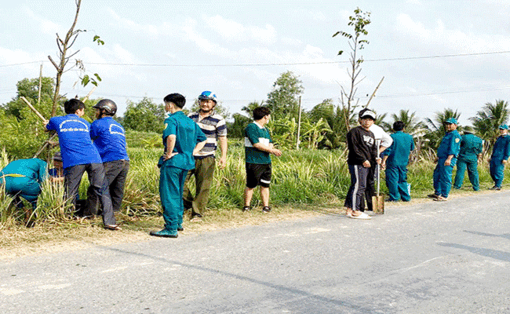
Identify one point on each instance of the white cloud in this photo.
(150, 30)
(440, 40)
(47, 26)
(234, 31)
(228, 29)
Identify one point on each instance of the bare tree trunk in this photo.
(63, 47)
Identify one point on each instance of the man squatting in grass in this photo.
(80, 155)
(23, 178)
(383, 140)
(499, 157)
(182, 139)
(258, 147)
(110, 140)
(446, 158)
(471, 147)
(362, 149)
(215, 129)
(395, 160)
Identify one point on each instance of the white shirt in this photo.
(382, 136)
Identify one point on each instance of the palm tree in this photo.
(413, 125)
(436, 127)
(487, 121)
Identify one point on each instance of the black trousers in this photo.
(370, 188)
(115, 178)
(357, 189)
(96, 176)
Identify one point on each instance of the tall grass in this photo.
(299, 177)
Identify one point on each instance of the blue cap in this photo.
(503, 127)
(452, 121)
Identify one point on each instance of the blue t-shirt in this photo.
(74, 138)
(109, 138)
(188, 135)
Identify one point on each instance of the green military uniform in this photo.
(396, 166)
(174, 170)
(470, 147)
(23, 178)
(500, 152)
(450, 145)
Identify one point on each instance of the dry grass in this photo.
(19, 241)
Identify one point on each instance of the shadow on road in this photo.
(504, 235)
(496, 254)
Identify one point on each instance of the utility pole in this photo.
(299, 124)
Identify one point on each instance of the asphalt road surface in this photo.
(436, 257)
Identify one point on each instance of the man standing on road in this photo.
(384, 141)
(447, 157)
(182, 138)
(258, 147)
(214, 127)
(362, 150)
(471, 147)
(110, 140)
(499, 157)
(395, 160)
(80, 155)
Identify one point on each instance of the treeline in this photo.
(322, 127)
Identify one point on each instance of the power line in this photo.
(274, 63)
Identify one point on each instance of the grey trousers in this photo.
(115, 175)
(96, 176)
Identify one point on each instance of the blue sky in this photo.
(153, 48)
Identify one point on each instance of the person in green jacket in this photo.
(23, 178)
(499, 157)
(471, 147)
(182, 138)
(447, 154)
(395, 160)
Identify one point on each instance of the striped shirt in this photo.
(213, 127)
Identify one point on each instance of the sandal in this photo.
(112, 227)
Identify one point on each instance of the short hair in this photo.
(260, 112)
(176, 99)
(73, 105)
(398, 126)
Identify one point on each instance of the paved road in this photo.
(451, 257)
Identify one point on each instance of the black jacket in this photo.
(362, 146)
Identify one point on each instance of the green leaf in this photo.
(336, 34)
(85, 80)
(98, 77)
(340, 52)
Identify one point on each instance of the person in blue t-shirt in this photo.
(182, 139)
(110, 140)
(80, 155)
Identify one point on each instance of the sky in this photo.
(432, 54)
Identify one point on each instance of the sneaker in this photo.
(165, 233)
(246, 208)
(266, 209)
(496, 188)
(433, 196)
(180, 228)
(440, 199)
